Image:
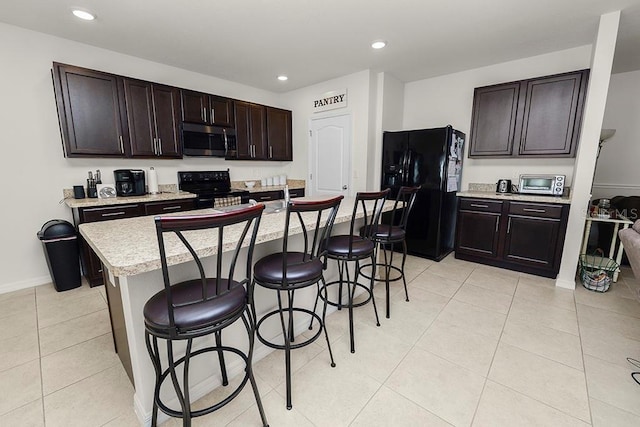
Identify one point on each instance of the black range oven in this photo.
(208, 186)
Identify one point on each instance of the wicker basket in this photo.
(596, 272)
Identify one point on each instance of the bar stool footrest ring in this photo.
(293, 345)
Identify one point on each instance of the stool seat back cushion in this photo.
(339, 246)
(190, 311)
(269, 268)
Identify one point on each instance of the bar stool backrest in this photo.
(370, 204)
(237, 224)
(314, 233)
(402, 206)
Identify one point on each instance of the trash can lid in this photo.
(56, 228)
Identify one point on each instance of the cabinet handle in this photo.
(171, 208)
(253, 151)
(113, 213)
(473, 205)
(509, 226)
(213, 116)
(497, 223)
(204, 114)
(534, 210)
(121, 144)
(271, 151)
(155, 146)
(159, 147)
(265, 197)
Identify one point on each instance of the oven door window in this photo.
(538, 183)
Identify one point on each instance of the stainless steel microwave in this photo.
(551, 185)
(211, 141)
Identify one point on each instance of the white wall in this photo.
(33, 169)
(448, 99)
(358, 103)
(617, 172)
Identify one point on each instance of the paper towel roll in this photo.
(153, 181)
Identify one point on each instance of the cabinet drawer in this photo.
(480, 205)
(111, 212)
(264, 196)
(298, 192)
(156, 208)
(536, 210)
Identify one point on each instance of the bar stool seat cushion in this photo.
(339, 246)
(384, 232)
(198, 315)
(269, 268)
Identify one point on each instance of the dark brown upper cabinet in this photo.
(538, 117)
(90, 112)
(198, 107)
(251, 131)
(279, 134)
(494, 120)
(153, 114)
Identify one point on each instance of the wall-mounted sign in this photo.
(330, 101)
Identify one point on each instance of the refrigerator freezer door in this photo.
(429, 155)
(394, 159)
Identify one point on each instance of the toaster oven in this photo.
(551, 185)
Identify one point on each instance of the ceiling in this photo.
(253, 41)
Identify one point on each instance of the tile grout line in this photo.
(584, 365)
(44, 415)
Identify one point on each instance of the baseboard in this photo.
(24, 284)
(566, 284)
(629, 187)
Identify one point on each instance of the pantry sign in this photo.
(330, 101)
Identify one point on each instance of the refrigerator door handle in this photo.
(407, 170)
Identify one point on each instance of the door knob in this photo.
(344, 187)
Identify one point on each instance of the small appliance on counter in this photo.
(503, 186)
(550, 185)
(129, 182)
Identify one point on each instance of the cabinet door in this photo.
(258, 124)
(194, 106)
(279, 134)
(166, 108)
(551, 117)
(243, 132)
(221, 113)
(89, 112)
(493, 124)
(139, 107)
(532, 241)
(477, 233)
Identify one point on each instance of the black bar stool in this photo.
(354, 248)
(202, 306)
(386, 235)
(288, 271)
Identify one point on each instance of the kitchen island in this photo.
(128, 250)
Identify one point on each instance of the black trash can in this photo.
(60, 244)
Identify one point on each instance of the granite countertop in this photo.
(129, 246)
(515, 196)
(488, 191)
(147, 198)
(293, 184)
(168, 192)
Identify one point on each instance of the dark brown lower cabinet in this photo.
(521, 236)
(91, 265)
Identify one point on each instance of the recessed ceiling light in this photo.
(83, 14)
(283, 78)
(378, 44)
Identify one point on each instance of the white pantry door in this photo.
(330, 156)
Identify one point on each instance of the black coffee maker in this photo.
(129, 182)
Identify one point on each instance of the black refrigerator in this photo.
(432, 160)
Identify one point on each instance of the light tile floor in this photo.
(475, 346)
